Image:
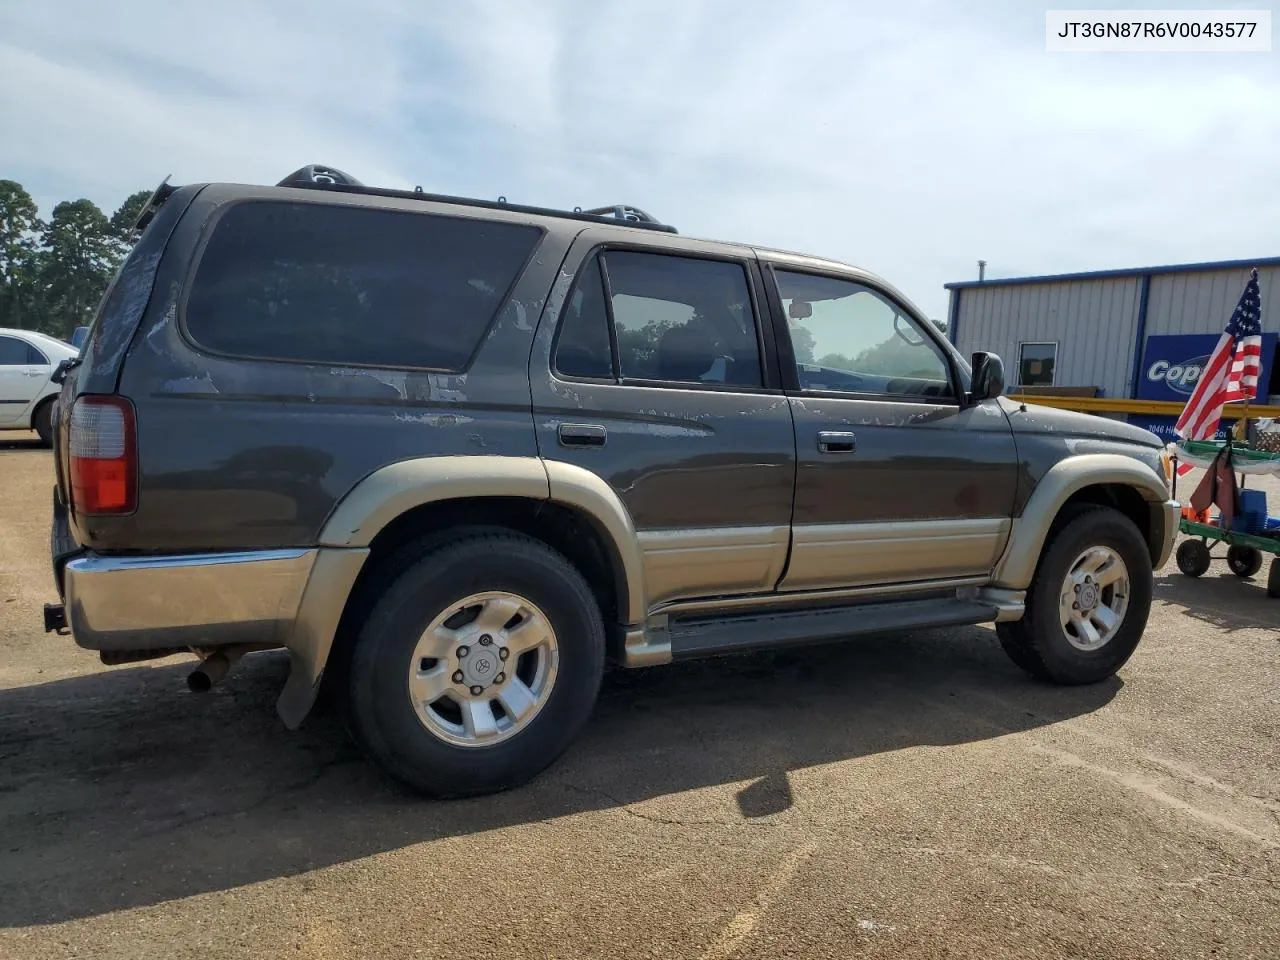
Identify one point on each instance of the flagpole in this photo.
(1243, 427)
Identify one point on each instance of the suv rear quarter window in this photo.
(326, 283)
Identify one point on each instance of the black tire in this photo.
(1013, 642)
(1244, 561)
(1273, 580)
(1038, 643)
(1193, 558)
(42, 422)
(380, 714)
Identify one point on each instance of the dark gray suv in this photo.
(453, 455)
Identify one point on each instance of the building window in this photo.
(1035, 364)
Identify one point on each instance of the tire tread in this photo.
(430, 561)
(1024, 639)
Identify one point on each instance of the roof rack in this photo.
(317, 176)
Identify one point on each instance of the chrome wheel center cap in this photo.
(480, 666)
(1088, 596)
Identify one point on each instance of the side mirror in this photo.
(63, 368)
(988, 377)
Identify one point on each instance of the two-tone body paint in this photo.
(708, 496)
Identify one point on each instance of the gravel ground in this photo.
(913, 796)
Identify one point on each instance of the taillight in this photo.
(103, 450)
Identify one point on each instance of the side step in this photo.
(706, 637)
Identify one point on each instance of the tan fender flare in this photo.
(387, 493)
(1017, 566)
(391, 490)
(576, 487)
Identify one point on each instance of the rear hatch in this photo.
(96, 371)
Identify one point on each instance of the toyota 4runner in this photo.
(453, 455)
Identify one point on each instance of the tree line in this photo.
(53, 272)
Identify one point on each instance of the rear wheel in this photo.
(1088, 603)
(477, 666)
(1244, 561)
(42, 422)
(1273, 579)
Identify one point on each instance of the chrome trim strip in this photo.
(95, 563)
(208, 599)
(800, 598)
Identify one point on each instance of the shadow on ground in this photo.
(120, 789)
(20, 441)
(1220, 598)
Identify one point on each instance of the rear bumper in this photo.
(194, 600)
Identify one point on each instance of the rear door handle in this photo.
(834, 441)
(581, 435)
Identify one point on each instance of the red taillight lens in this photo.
(103, 450)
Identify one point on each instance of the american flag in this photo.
(1232, 371)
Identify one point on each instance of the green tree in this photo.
(20, 228)
(638, 345)
(126, 216)
(79, 255)
(896, 358)
(802, 342)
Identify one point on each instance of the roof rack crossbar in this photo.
(622, 211)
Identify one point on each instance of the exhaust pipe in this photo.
(216, 662)
(211, 670)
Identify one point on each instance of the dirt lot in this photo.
(905, 797)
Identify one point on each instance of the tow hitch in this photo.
(55, 619)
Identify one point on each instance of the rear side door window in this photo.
(15, 352)
(353, 286)
(660, 318)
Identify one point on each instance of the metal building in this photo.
(1115, 333)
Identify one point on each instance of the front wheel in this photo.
(1193, 558)
(477, 666)
(1088, 603)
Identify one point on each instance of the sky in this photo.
(911, 138)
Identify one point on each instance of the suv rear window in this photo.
(353, 286)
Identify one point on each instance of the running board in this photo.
(705, 637)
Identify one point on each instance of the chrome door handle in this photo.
(581, 435)
(835, 441)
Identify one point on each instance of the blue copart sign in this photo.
(1171, 365)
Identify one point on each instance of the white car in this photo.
(27, 362)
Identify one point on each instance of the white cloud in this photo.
(911, 139)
